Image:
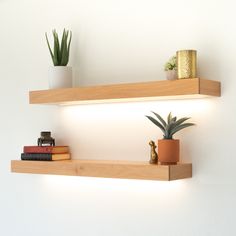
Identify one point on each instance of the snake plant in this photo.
(61, 51)
(171, 126)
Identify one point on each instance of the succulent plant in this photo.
(171, 64)
(171, 126)
(61, 52)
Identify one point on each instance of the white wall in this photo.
(118, 41)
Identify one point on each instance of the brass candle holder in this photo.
(186, 64)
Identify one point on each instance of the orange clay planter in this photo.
(168, 151)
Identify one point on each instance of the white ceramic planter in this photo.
(60, 77)
(171, 74)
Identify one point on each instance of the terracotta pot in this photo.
(168, 151)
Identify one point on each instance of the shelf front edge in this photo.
(164, 89)
(105, 169)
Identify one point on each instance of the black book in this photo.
(44, 156)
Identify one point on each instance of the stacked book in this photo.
(45, 153)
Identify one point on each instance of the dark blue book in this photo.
(44, 156)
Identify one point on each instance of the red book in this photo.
(46, 149)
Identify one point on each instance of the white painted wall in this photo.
(118, 41)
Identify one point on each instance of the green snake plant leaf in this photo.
(50, 50)
(68, 48)
(65, 56)
(158, 124)
(57, 51)
(63, 39)
(60, 53)
(65, 49)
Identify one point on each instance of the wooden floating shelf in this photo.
(105, 169)
(163, 89)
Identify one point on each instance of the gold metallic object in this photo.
(153, 154)
(186, 64)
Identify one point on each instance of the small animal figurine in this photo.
(153, 154)
(46, 139)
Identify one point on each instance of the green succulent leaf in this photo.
(169, 117)
(166, 135)
(157, 123)
(173, 119)
(160, 118)
(178, 128)
(171, 64)
(171, 126)
(180, 121)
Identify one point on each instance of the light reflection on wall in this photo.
(73, 184)
(92, 198)
(180, 107)
(120, 131)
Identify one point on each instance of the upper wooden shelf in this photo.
(163, 89)
(105, 169)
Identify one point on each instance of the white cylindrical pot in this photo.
(60, 77)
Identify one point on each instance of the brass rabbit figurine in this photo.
(153, 154)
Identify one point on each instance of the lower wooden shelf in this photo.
(105, 169)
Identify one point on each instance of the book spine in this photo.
(36, 156)
(38, 149)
